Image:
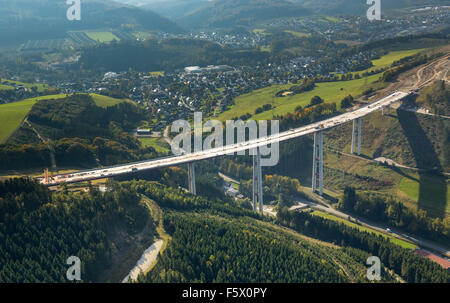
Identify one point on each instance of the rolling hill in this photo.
(172, 9)
(22, 20)
(231, 13)
(360, 7)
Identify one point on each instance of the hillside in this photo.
(22, 20)
(77, 130)
(49, 227)
(231, 13)
(167, 55)
(360, 7)
(174, 9)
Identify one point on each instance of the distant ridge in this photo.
(360, 6)
(231, 13)
(21, 20)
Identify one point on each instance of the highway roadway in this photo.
(130, 168)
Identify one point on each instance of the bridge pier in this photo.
(356, 135)
(191, 178)
(257, 182)
(317, 173)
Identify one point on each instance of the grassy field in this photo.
(157, 143)
(414, 191)
(388, 136)
(157, 73)
(6, 87)
(11, 115)
(433, 198)
(102, 36)
(105, 101)
(330, 19)
(387, 60)
(391, 57)
(329, 91)
(298, 34)
(41, 87)
(393, 239)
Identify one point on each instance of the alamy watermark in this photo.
(374, 271)
(236, 133)
(374, 11)
(74, 11)
(74, 271)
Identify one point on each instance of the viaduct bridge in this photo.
(317, 172)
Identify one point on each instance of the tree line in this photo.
(39, 230)
(411, 267)
(394, 213)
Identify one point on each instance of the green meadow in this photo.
(41, 87)
(391, 57)
(105, 101)
(157, 143)
(437, 191)
(102, 36)
(12, 114)
(331, 92)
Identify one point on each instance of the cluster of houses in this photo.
(210, 89)
(360, 29)
(16, 92)
(231, 40)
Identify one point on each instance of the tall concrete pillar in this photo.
(317, 173)
(356, 136)
(359, 135)
(321, 163)
(314, 167)
(260, 184)
(191, 178)
(257, 182)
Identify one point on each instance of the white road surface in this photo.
(118, 170)
(148, 258)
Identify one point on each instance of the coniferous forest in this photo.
(209, 239)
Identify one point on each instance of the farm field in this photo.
(331, 92)
(438, 191)
(392, 239)
(298, 34)
(48, 44)
(391, 57)
(11, 115)
(102, 36)
(157, 73)
(105, 101)
(41, 87)
(157, 143)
